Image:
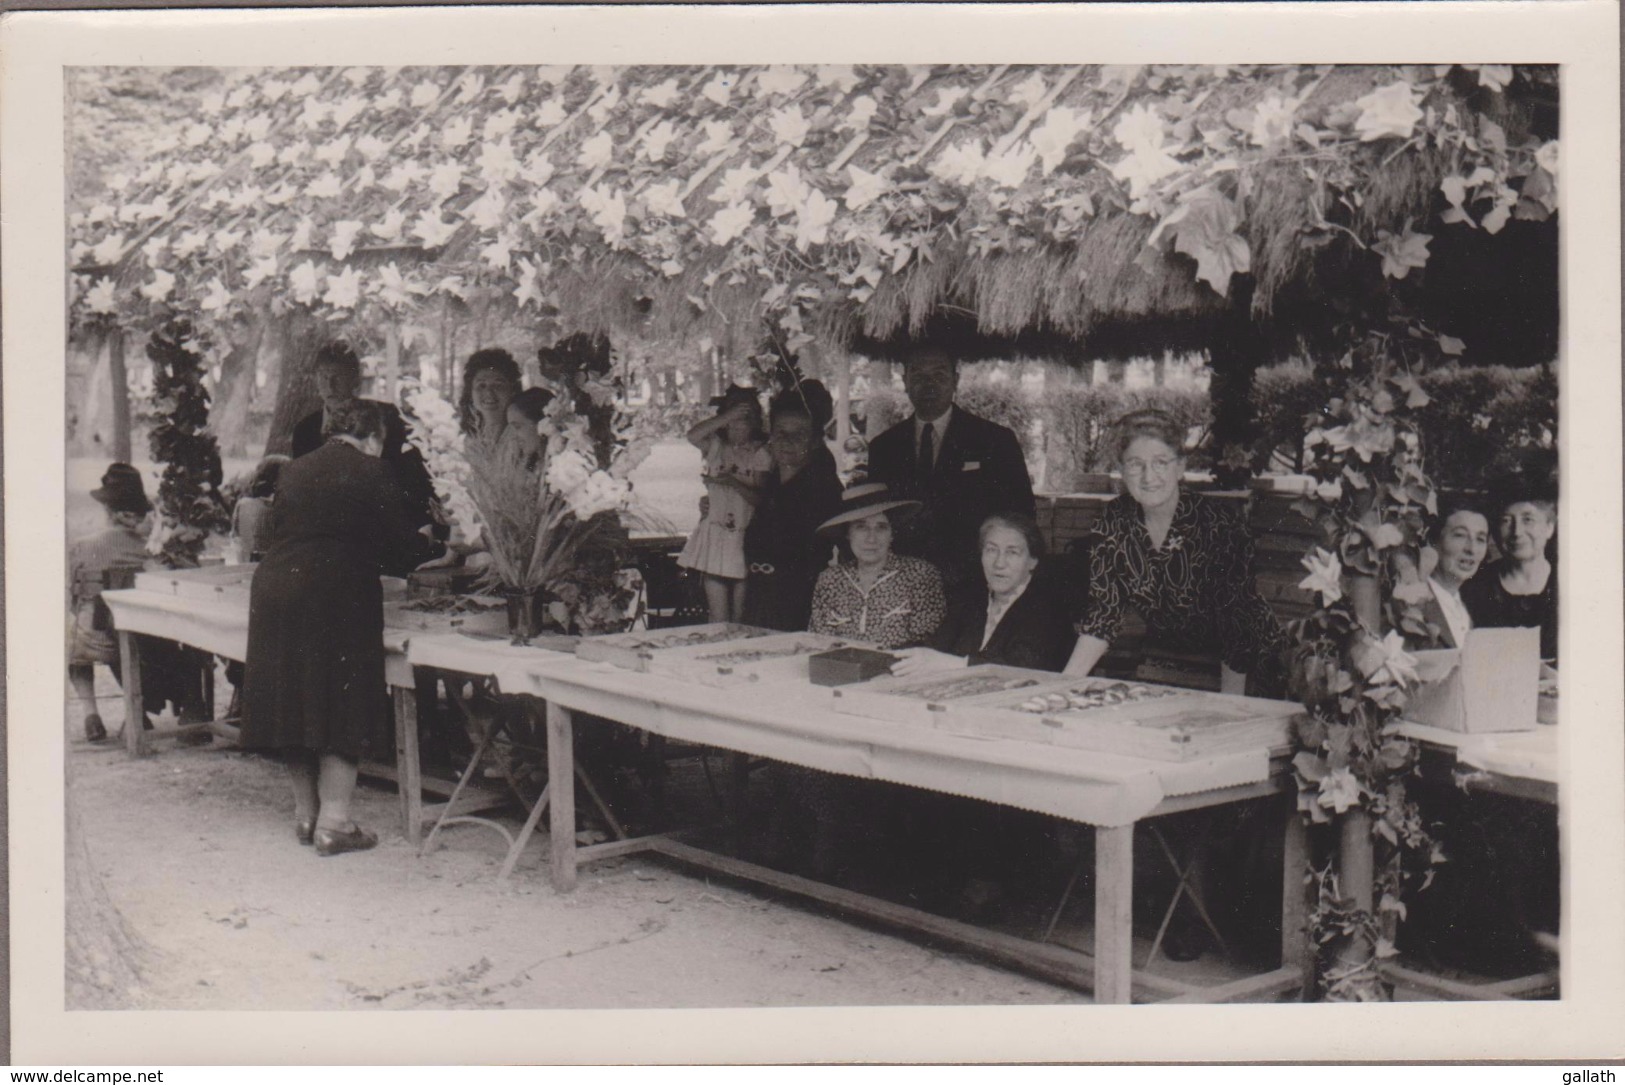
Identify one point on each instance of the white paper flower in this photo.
(1389, 112)
(305, 282)
(786, 191)
(185, 245)
(1272, 121)
(326, 186)
(657, 140)
(217, 298)
(1140, 130)
(866, 188)
(333, 151)
(402, 176)
(813, 219)
(307, 84)
(300, 241)
(103, 297)
(1142, 170)
(498, 163)
(392, 288)
(160, 287)
(257, 126)
(389, 227)
(662, 95)
(596, 152)
(1397, 665)
(314, 113)
(527, 289)
(734, 185)
(1339, 790)
(433, 231)
(962, 163)
(445, 179)
(499, 253)
(1547, 158)
(153, 250)
(1325, 575)
(543, 203)
(789, 126)
(861, 113)
(261, 155)
(664, 199)
(499, 124)
(108, 249)
(1030, 91)
(720, 87)
(489, 211)
(259, 271)
(1052, 138)
(718, 134)
(843, 77)
(454, 134)
(1011, 167)
(469, 86)
(551, 113)
(781, 79)
(342, 243)
(730, 223)
(343, 289)
(607, 206)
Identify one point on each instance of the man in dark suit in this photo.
(960, 466)
(338, 379)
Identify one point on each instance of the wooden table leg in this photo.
(1295, 952)
(561, 784)
(408, 766)
(129, 650)
(1114, 919)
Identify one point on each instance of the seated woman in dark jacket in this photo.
(1521, 588)
(1010, 616)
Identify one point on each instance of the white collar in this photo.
(939, 425)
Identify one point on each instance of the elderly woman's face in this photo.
(791, 442)
(1463, 542)
(870, 539)
(1525, 528)
(1151, 472)
(492, 392)
(1006, 560)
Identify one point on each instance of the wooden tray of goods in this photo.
(927, 699)
(217, 582)
(1135, 719)
(778, 657)
(448, 614)
(634, 651)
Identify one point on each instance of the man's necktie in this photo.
(928, 453)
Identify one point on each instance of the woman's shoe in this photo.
(94, 731)
(339, 841)
(305, 830)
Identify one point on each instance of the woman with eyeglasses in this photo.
(1181, 560)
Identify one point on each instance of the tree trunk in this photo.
(235, 392)
(1235, 355)
(118, 380)
(296, 389)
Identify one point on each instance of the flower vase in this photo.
(526, 612)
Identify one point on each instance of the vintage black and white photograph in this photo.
(631, 536)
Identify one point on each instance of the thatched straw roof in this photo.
(1077, 211)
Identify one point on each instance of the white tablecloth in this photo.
(221, 627)
(796, 723)
(1528, 755)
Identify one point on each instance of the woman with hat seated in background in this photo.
(314, 693)
(122, 545)
(873, 595)
(1521, 588)
(1182, 560)
(783, 551)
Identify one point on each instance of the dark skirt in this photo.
(314, 677)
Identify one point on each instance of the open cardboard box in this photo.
(1490, 685)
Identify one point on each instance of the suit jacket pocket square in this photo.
(973, 465)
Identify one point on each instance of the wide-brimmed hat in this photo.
(862, 501)
(736, 393)
(121, 490)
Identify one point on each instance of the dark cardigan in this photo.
(1036, 631)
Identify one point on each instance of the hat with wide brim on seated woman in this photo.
(121, 490)
(862, 501)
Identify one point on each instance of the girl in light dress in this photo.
(737, 464)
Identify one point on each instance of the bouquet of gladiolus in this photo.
(432, 429)
(543, 513)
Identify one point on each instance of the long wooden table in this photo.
(795, 722)
(220, 626)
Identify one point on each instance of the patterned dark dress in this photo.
(1196, 593)
(315, 668)
(903, 609)
(1492, 606)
